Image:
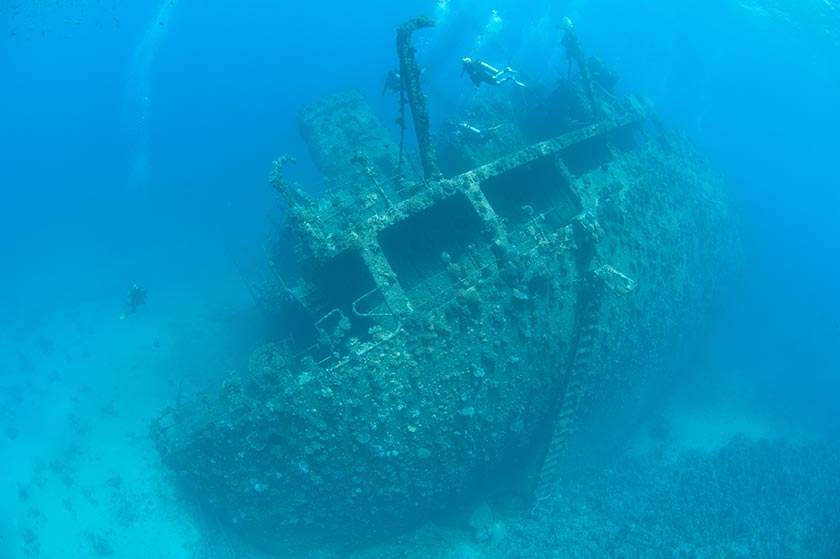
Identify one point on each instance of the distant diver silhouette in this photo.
(574, 54)
(137, 297)
(393, 82)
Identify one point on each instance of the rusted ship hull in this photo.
(451, 337)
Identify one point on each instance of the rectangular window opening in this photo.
(627, 138)
(537, 188)
(586, 156)
(345, 287)
(422, 246)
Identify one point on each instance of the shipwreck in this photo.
(466, 323)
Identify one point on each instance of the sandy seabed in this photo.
(82, 479)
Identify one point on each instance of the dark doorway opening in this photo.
(537, 188)
(586, 156)
(424, 244)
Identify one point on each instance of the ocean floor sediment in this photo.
(748, 498)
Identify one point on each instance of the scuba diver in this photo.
(574, 54)
(137, 296)
(481, 72)
(393, 82)
(473, 134)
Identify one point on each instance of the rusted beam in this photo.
(412, 93)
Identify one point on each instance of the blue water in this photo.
(135, 144)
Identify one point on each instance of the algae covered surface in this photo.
(745, 499)
(456, 332)
(448, 278)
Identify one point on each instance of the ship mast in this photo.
(411, 92)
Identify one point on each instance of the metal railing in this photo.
(380, 191)
(528, 237)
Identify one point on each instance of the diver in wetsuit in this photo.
(481, 72)
(473, 134)
(574, 54)
(393, 82)
(136, 297)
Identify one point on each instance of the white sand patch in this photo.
(81, 477)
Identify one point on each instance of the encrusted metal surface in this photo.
(448, 332)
